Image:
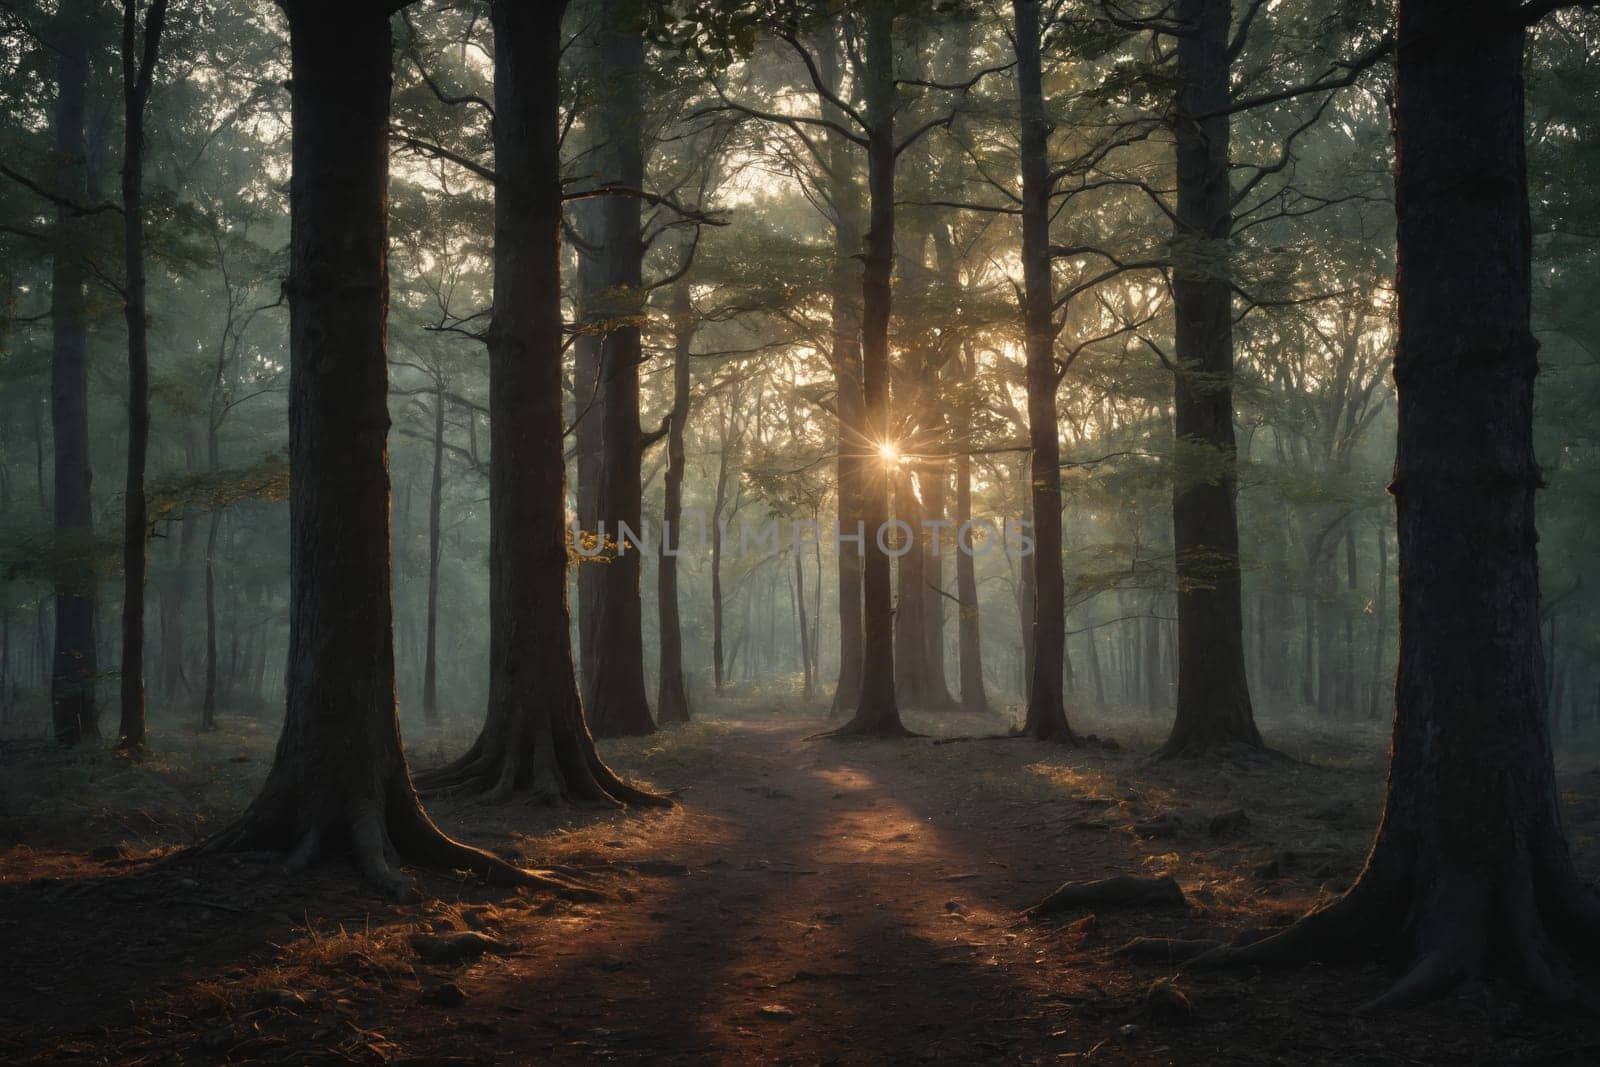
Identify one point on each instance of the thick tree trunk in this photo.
(1047, 714)
(1470, 869)
(672, 699)
(73, 668)
(138, 71)
(339, 781)
(534, 737)
(616, 701)
(876, 713)
(1213, 691)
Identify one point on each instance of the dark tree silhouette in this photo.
(876, 713)
(74, 715)
(138, 71)
(534, 736)
(616, 699)
(1213, 691)
(1470, 868)
(1046, 716)
(339, 780)
(672, 699)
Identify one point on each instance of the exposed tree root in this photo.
(874, 720)
(550, 762)
(1121, 891)
(1459, 930)
(379, 837)
(855, 730)
(1218, 747)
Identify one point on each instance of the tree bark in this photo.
(845, 355)
(1470, 869)
(74, 715)
(534, 737)
(672, 700)
(1213, 691)
(876, 713)
(1047, 714)
(1382, 613)
(339, 781)
(616, 702)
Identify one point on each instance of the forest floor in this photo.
(806, 902)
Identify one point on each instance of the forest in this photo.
(799, 531)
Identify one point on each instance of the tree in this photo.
(1213, 690)
(672, 701)
(1046, 718)
(73, 670)
(339, 780)
(138, 71)
(1470, 867)
(844, 353)
(616, 700)
(534, 737)
(877, 714)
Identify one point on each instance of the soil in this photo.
(807, 902)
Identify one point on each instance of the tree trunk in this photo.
(845, 355)
(932, 478)
(174, 590)
(799, 594)
(672, 701)
(339, 780)
(876, 713)
(616, 703)
(208, 700)
(973, 697)
(534, 737)
(910, 615)
(718, 503)
(1094, 669)
(73, 668)
(138, 71)
(1470, 868)
(1047, 714)
(430, 654)
(589, 443)
(1213, 692)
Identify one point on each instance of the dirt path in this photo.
(808, 902)
(827, 902)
